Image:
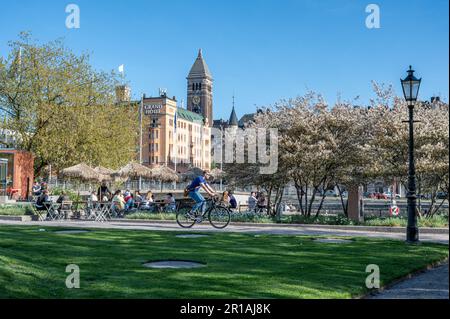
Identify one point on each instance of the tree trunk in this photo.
(313, 197)
(344, 204)
(320, 205)
(300, 192)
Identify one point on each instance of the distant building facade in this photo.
(178, 137)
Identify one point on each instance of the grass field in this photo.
(33, 263)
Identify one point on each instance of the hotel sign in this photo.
(150, 109)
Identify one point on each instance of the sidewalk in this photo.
(274, 229)
(431, 284)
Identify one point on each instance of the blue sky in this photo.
(262, 50)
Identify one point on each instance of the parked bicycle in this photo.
(218, 215)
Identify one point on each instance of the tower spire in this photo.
(233, 121)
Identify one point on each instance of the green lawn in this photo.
(32, 264)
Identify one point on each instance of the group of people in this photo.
(257, 201)
(127, 201)
(229, 200)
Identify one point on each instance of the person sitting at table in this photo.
(63, 198)
(118, 202)
(225, 198)
(138, 197)
(170, 202)
(42, 200)
(129, 202)
(127, 195)
(233, 202)
(147, 202)
(93, 198)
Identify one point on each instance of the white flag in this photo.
(121, 68)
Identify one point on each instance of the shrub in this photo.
(15, 210)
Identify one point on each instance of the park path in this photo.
(442, 238)
(431, 284)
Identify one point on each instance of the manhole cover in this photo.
(173, 264)
(332, 240)
(191, 236)
(71, 231)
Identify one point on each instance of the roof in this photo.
(189, 116)
(246, 118)
(200, 68)
(233, 121)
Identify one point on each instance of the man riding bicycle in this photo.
(194, 193)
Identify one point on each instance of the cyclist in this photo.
(194, 193)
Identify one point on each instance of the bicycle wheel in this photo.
(183, 218)
(219, 217)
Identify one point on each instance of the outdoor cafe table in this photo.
(53, 212)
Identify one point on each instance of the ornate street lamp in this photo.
(410, 86)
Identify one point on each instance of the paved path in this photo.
(254, 229)
(431, 284)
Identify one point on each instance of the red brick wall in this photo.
(23, 171)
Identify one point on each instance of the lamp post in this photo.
(410, 86)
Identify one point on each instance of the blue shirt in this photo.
(195, 185)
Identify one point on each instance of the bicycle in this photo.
(219, 216)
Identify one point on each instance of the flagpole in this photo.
(175, 136)
(140, 137)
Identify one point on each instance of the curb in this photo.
(24, 218)
(379, 229)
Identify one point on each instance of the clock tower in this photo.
(199, 89)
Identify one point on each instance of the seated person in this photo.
(118, 202)
(41, 200)
(138, 198)
(233, 202)
(225, 198)
(147, 202)
(170, 202)
(63, 198)
(93, 198)
(129, 202)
